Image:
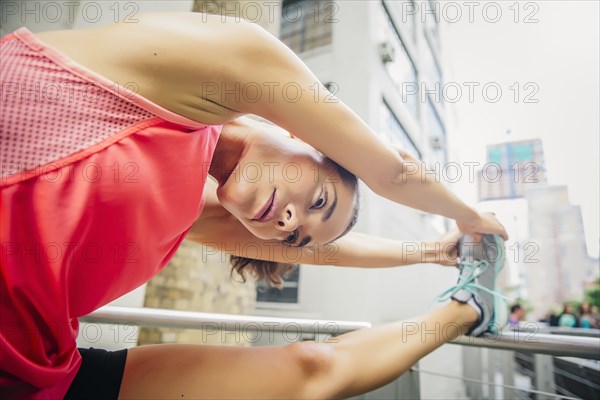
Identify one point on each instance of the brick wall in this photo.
(198, 280)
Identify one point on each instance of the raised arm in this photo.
(233, 68)
(326, 123)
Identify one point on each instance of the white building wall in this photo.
(558, 264)
(575, 264)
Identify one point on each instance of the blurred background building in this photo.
(512, 168)
(547, 255)
(558, 266)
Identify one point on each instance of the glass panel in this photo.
(394, 132)
(401, 69)
(289, 293)
(304, 24)
(405, 12)
(522, 152)
(273, 295)
(435, 130)
(495, 155)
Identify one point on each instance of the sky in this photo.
(554, 60)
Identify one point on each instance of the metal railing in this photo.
(539, 343)
(493, 356)
(227, 322)
(517, 340)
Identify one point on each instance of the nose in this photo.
(288, 220)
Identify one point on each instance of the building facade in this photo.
(511, 169)
(557, 263)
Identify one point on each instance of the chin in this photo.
(258, 234)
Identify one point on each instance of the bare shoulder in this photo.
(208, 68)
(183, 61)
(196, 38)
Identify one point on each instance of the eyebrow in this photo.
(327, 214)
(325, 217)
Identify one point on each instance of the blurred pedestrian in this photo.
(586, 318)
(517, 313)
(568, 317)
(595, 318)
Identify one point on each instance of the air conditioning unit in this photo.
(387, 52)
(437, 143)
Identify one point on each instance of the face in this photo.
(569, 309)
(520, 313)
(283, 189)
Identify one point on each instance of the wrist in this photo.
(430, 252)
(468, 217)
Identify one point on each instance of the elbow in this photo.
(402, 172)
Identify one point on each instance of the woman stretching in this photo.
(108, 137)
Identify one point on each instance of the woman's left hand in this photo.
(444, 251)
(482, 223)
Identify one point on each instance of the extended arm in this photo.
(290, 100)
(225, 233)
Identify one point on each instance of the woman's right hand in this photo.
(482, 223)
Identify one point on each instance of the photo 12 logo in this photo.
(471, 92)
(60, 12)
(470, 11)
(317, 11)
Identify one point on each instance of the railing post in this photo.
(507, 358)
(491, 373)
(472, 370)
(544, 375)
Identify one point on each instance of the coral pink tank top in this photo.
(98, 188)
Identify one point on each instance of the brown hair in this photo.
(273, 273)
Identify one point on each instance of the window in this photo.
(432, 11)
(494, 155)
(431, 66)
(306, 24)
(435, 130)
(522, 152)
(394, 132)
(433, 124)
(401, 69)
(405, 11)
(289, 293)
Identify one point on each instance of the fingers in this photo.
(498, 228)
(487, 223)
(451, 236)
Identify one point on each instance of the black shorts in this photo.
(99, 376)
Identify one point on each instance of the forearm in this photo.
(352, 250)
(365, 251)
(418, 188)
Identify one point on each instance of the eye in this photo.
(291, 238)
(321, 201)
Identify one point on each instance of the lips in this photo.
(267, 211)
